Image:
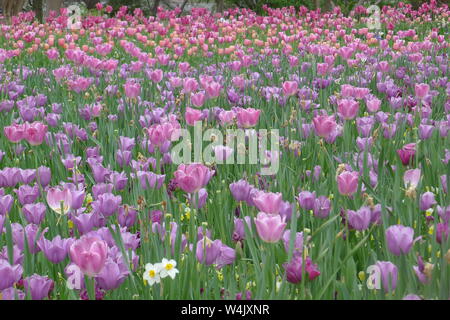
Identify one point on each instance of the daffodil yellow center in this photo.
(152, 273)
(169, 266)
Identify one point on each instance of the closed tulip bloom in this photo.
(298, 242)
(198, 99)
(84, 222)
(407, 153)
(192, 177)
(6, 203)
(360, 220)
(425, 131)
(35, 133)
(108, 204)
(226, 256)
(442, 232)
(306, 200)
(27, 194)
(322, 207)
(294, 269)
(347, 182)
(34, 213)
(427, 201)
(399, 239)
(270, 227)
(207, 250)
(268, 202)
(38, 286)
(213, 89)
(14, 132)
(58, 200)
(192, 116)
(239, 228)
(9, 274)
(202, 197)
(55, 250)
(44, 176)
(30, 232)
(290, 88)
(388, 274)
(112, 275)
(89, 254)
(444, 213)
(132, 89)
(324, 125)
(421, 90)
(240, 190)
(348, 108)
(373, 105)
(126, 216)
(247, 118)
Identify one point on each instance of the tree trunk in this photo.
(53, 5)
(37, 8)
(219, 5)
(155, 7)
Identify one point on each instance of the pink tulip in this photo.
(324, 125)
(373, 105)
(14, 133)
(270, 227)
(348, 108)
(226, 117)
(268, 202)
(421, 90)
(132, 89)
(248, 118)
(57, 198)
(290, 88)
(213, 89)
(198, 99)
(411, 177)
(157, 75)
(89, 254)
(192, 177)
(192, 116)
(407, 153)
(35, 133)
(347, 182)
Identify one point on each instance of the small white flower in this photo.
(152, 273)
(168, 268)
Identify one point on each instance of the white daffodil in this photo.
(152, 273)
(168, 268)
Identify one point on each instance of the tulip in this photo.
(294, 269)
(55, 250)
(207, 251)
(192, 116)
(6, 203)
(112, 275)
(108, 204)
(192, 177)
(388, 273)
(399, 239)
(411, 178)
(226, 256)
(407, 153)
(34, 213)
(89, 254)
(9, 274)
(58, 200)
(322, 207)
(427, 201)
(324, 125)
(306, 200)
(248, 118)
(35, 133)
(198, 99)
(421, 90)
(270, 227)
(360, 220)
(290, 88)
(298, 242)
(38, 286)
(347, 182)
(14, 133)
(240, 190)
(348, 108)
(268, 202)
(132, 89)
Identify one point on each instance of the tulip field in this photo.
(112, 188)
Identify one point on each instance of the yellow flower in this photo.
(362, 276)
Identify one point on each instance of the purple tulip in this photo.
(298, 242)
(84, 222)
(112, 275)
(442, 232)
(27, 194)
(55, 250)
(444, 213)
(126, 216)
(9, 274)
(388, 274)
(295, 267)
(207, 250)
(12, 293)
(239, 228)
(31, 232)
(226, 256)
(399, 239)
(101, 188)
(268, 202)
(6, 203)
(34, 213)
(108, 203)
(38, 286)
(270, 227)
(360, 220)
(202, 197)
(322, 207)
(427, 201)
(44, 175)
(306, 200)
(119, 180)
